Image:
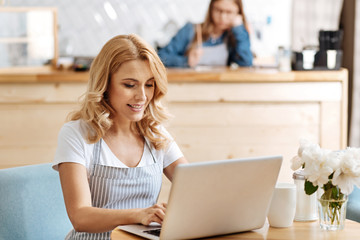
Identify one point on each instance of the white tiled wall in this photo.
(84, 25)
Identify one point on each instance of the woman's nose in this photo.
(223, 16)
(140, 94)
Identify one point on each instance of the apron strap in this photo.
(152, 155)
(96, 156)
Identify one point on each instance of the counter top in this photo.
(252, 74)
(40, 74)
(204, 74)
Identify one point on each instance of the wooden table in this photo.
(299, 230)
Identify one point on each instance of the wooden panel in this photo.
(213, 131)
(28, 132)
(16, 156)
(331, 136)
(279, 92)
(41, 93)
(240, 113)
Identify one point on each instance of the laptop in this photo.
(215, 198)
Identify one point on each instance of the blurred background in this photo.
(84, 26)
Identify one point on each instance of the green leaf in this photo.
(328, 186)
(310, 188)
(335, 193)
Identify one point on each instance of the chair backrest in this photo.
(353, 205)
(31, 204)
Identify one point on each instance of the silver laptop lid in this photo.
(220, 197)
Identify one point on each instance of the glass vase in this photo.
(332, 213)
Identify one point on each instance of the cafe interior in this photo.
(304, 83)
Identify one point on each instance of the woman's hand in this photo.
(155, 213)
(194, 56)
(237, 20)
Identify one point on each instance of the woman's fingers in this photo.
(237, 21)
(194, 56)
(154, 213)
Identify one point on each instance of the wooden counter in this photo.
(47, 74)
(218, 114)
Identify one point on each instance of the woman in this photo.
(225, 35)
(112, 153)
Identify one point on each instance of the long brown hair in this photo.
(95, 109)
(207, 26)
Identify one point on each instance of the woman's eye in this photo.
(150, 85)
(129, 85)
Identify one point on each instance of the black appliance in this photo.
(327, 57)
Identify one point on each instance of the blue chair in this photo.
(353, 205)
(32, 204)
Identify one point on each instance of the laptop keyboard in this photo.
(155, 232)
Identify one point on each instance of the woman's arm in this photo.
(173, 55)
(86, 218)
(241, 54)
(169, 170)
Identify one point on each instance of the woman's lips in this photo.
(136, 107)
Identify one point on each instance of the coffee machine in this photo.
(327, 57)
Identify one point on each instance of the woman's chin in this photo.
(137, 118)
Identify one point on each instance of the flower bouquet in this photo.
(332, 174)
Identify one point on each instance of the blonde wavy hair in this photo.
(95, 109)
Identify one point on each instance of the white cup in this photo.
(283, 205)
(308, 58)
(331, 59)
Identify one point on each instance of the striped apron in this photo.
(121, 188)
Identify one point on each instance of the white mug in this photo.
(283, 205)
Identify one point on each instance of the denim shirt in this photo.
(173, 55)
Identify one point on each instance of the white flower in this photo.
(316, 169)
(304, 144)
(297, 161)
(333, 159)
(341, 168)
(348, 173)
(318, 163)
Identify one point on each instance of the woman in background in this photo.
(221, 40)
(113, 152)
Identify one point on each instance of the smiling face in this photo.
(223, 13)
(130, 91)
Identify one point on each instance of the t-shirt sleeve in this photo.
(71, 147)
(172, 152)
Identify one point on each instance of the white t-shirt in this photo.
(72, 147)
